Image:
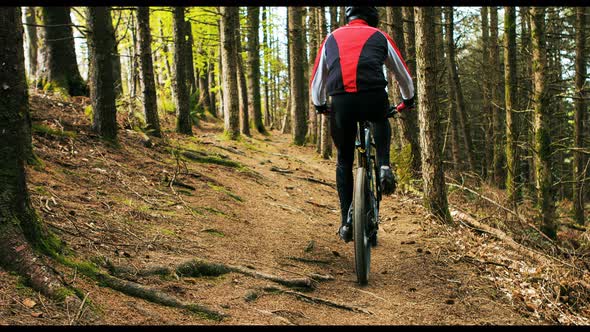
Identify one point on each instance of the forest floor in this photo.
(265, 206)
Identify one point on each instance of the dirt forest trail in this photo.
(259, 203)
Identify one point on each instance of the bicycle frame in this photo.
(365, 146)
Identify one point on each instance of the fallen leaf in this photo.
(37, 314)
(29, 303)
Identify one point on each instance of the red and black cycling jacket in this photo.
(351, 60)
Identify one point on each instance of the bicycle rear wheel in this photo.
(362, 246)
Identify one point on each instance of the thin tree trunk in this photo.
(266, 64)
(32, 40)
(314, 46)
(228, 29)
(456, 87)
(102, 89)
(498, 113)
(62, 67)
(324, 139)
(170, 74)
(296, 63)
(254, 106)
(410, 119)
(150, 105)
(183, 119)
(435, 195)
(542, 147)
(579, 115)
(190, 66)
(486, 124)
(512, 123)
(242, 88)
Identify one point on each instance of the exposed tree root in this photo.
(198, 267)
(310, 179)
(317, 300)
(156, 296)
(17, 254)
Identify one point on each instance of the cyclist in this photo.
(349, 68)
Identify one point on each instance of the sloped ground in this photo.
(259, 203)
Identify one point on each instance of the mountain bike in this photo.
(366, 198)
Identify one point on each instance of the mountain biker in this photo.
(349, 68)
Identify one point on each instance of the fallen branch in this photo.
(317, 300)
(280, 170)
(537, 256)
(308, 260)
(320, 205)
(310, 179)
(519, 217)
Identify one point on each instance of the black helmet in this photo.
(368, 14)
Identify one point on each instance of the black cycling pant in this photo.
(347, 110)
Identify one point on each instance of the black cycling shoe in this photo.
(345, 230)
(388, 181)
(345, 233)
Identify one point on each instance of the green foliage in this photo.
(45, 130)
(88, 111)
(196, 110)
(224, 190)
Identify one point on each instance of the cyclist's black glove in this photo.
(405, 104)
(322, 109)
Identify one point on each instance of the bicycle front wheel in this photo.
(362, 247)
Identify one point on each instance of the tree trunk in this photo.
(456, 87)
(20, 228)
(212, 98)
(487, 128)
(498, 114)
(524, 93)
(410, 119)
(435, 195)
(169, 73)
(267, 77)
(512, 123)
(183, 119)
(542, 148)
(314, 46)
(296, 63)
(102, 87)
(333, 18)
(31, 30)
(228, 29)
(150, 105)
(190, 65)
(395, 29)
(579, 115)
(324, 141)
(62, 67)
(254, 106)
(342, 16)
(242, 88)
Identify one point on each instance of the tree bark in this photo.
(314, 46)
(20, 228)
(498, 114)
(190, 65)
(298, 114)
(324, 138)
(62, 67)
(228, 29)
(150, 105)
(487, 128)
(512, 123)
(456, 87)
(435, 195)
(410, 119)
(242, 88)
(183, 119)
(580, 112)
(542, 148)
(102, 88)
(254, 106)
(32, 40)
